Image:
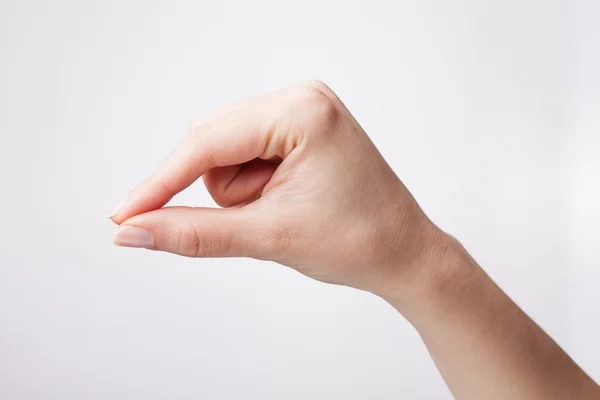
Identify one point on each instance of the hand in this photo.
(301, 184)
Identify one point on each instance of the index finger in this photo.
(255, 129)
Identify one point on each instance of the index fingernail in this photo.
(117, 209)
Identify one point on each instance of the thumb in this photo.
(197, 232)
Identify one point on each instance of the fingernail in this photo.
(133, 236)
(117, 209)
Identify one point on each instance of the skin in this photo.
(302, 184)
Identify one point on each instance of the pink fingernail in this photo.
(133, 236)
(117, 209)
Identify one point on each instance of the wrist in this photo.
(437, 278)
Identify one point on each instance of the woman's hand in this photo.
(303, 185)
(300, 183)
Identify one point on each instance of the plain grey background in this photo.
(488, 111)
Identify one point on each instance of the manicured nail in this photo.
(117, 209)
(133, 236)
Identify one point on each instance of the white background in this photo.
(488, 111)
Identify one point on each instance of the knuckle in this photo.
(164, 186)
(186, 242)
(319, 85)
(197, 133)
(200, 137)
(214, 244)
(197, 124)
(320, 108)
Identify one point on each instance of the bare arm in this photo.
(301, 184)
(483, 344)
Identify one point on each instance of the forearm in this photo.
(484, 345)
